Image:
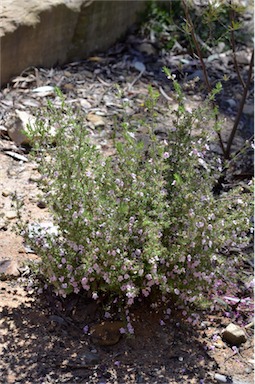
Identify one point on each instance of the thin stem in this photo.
(233, 45)
(207, 82)
(221, 141)
(240, 110)
(192, 31)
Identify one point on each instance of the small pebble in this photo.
(11, 215)
(41, 204)
(248, 369)
(6, 193)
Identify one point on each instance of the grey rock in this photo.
(91, 358)
(231, 103)
(17, 131)
(9, 269)
(243, 57)
(147, 48)
(139, 66)
(233, 334)
(248, 109)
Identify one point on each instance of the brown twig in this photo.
(206, 78)
(233, 45)
(226, 151)
(194, 38)
(240, 110)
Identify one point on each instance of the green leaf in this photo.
(178, 178)
(119, 147)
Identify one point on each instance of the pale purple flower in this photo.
(138, 252)
(235, 349)
(119, 182)
(130, 328)
(130, 301)
(88, 174)
(145, 292)
(94, 295)
(81, 211)
(86, 287)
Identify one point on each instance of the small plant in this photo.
(212, 13)
(138, 223)
(202, 30)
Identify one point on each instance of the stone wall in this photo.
(50, 32)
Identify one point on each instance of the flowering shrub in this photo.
(137, 223)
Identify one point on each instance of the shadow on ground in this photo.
(38, 350)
